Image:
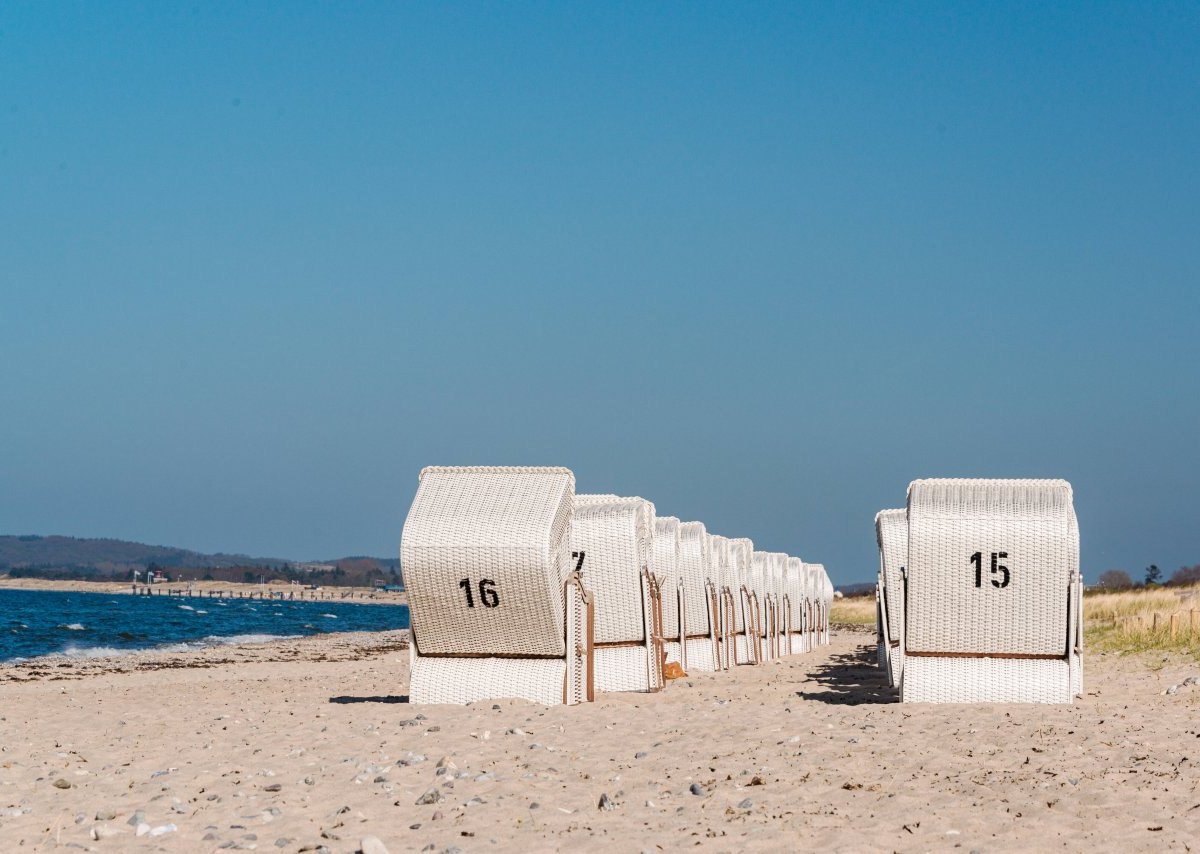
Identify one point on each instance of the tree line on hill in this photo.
(75, 559)
(1119, 579)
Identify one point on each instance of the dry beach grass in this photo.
(312, 743)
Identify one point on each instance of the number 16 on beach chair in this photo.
(612, 541)
(991, 592)
(496, 606)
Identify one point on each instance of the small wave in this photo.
(185, 607)
(330, 616)
(198, 611)
(72, 651)
(229, 640)
(73, 627)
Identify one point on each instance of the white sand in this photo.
(826, 758)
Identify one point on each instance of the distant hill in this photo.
(73, 557)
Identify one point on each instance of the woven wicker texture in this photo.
(760, 584)
(701, 655)
(1023, 527)
(720, 575)
(984, 680)
(741, 551)
(891, 532)
(465, 680)
(694, 572)
(794, 590)
(615, 538)
(665, 564)
(624, 668)
(477, 533)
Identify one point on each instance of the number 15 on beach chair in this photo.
(496, 606)
(991, 592)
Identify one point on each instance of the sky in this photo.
(763, 264)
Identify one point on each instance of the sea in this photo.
(36, 623)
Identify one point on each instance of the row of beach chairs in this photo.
(979, 596)
(520, 588)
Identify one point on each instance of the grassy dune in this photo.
(1160, 619)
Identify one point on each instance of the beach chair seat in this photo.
(991, 594)
(701, 601)
(891, 533)
(611, 544)
(495, 606)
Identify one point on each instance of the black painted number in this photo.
(579, 563)
(487, 592)
(997, 569)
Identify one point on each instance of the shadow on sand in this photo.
(851, 679)
(393, 698)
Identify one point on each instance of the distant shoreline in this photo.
(214, 590)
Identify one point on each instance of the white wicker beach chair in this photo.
(828, 600)
(718, 552)
(665, 563)
(794, 606)
(745, 616)
(760, 583)
(495, 605)
(702, 616)
(891, 532)
(611, 544)
(778, 567)
(991, 592)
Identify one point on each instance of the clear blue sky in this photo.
(761, 263)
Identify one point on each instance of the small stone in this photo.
(641, 754)
(60, 783)
(696, 789)
(136, 819)
(103, 831)
(1174, 689)
(274, 787)
(534, 805)
(433, 796)
(162, 830)
(283, 842)
(142, 829)
(606, 803)
(745, 804)
(495, 707)
(105, 815)
(437, 816)
(372, 845)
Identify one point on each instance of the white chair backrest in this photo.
(989, 566)
(794, 585)
(665, 564)
(891, 531)
(694, 571)
(611, 541)
(741, 550)
(485, 553)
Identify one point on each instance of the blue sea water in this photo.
(92, 625)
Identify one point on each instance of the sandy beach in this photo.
(310, 745)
